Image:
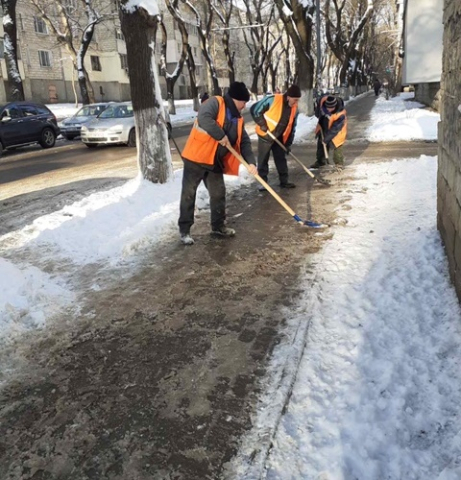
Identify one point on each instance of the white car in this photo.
(114, 125)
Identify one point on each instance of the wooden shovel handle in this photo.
(262, 182)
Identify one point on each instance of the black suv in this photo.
(23, 123)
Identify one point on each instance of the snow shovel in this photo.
(315, 177)
(297, 219)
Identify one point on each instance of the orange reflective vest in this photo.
(340, 137)
(201, 147)
(273, 116)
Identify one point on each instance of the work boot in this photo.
(223, 231)
(317, 164)
(186, 239)
(287, 185)
(262, 189)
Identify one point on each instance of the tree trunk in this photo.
(193, 81)
(170, 94)
(83, 77)
(11, 50)
(154, 159)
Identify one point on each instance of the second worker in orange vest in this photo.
(278, 114)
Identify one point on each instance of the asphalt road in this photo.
(31, 168)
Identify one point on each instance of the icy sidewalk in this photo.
(378, 391)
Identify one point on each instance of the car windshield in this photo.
(117, 111)
(90, 111)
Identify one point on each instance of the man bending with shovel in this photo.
(276, 116)
(331, 130)
(218, 127)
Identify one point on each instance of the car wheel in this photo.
(70, 137)
(91, 145)
(48, 138)
(1, 149)
(132, 138)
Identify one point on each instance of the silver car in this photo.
(70, 127)
(114, 125)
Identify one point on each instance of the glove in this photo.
(264, 127)
(288, 148)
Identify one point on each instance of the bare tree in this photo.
(173, 8)
(298, 20)
(259, 15)
(139, 28)
(10, 42)
(170, 78)
(204, 34)
(74, 30)
(224, 11)
(344, 26)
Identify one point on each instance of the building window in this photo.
(123, 61)
(119, 35)
(44, 57)
(40, 25)
(95, 63)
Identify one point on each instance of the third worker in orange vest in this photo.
(331, 130)
(278, 114)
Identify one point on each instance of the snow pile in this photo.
(28, 297)
(112, 225)
(378, 391)
(400, 119)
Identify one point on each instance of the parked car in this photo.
(70, 127)
(24, 123)
(115, 125)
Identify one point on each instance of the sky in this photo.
(375, 340)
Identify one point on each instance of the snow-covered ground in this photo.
(393, 120)
(378, 390)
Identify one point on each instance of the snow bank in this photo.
(400, 119)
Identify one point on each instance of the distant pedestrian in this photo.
(219, 124)
(204, 98)
(331, 130)
(376, 86)
(277, 114)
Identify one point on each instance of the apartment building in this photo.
(47, 70)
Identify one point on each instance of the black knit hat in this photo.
(331, 102)
(294, 91)
(239, 91)
(204, 97)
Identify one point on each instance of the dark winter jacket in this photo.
(257, 112)
(339, 125)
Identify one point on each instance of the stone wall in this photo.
(449, 138)
(428, 94)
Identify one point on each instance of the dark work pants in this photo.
(214, 182)
(280, 160)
